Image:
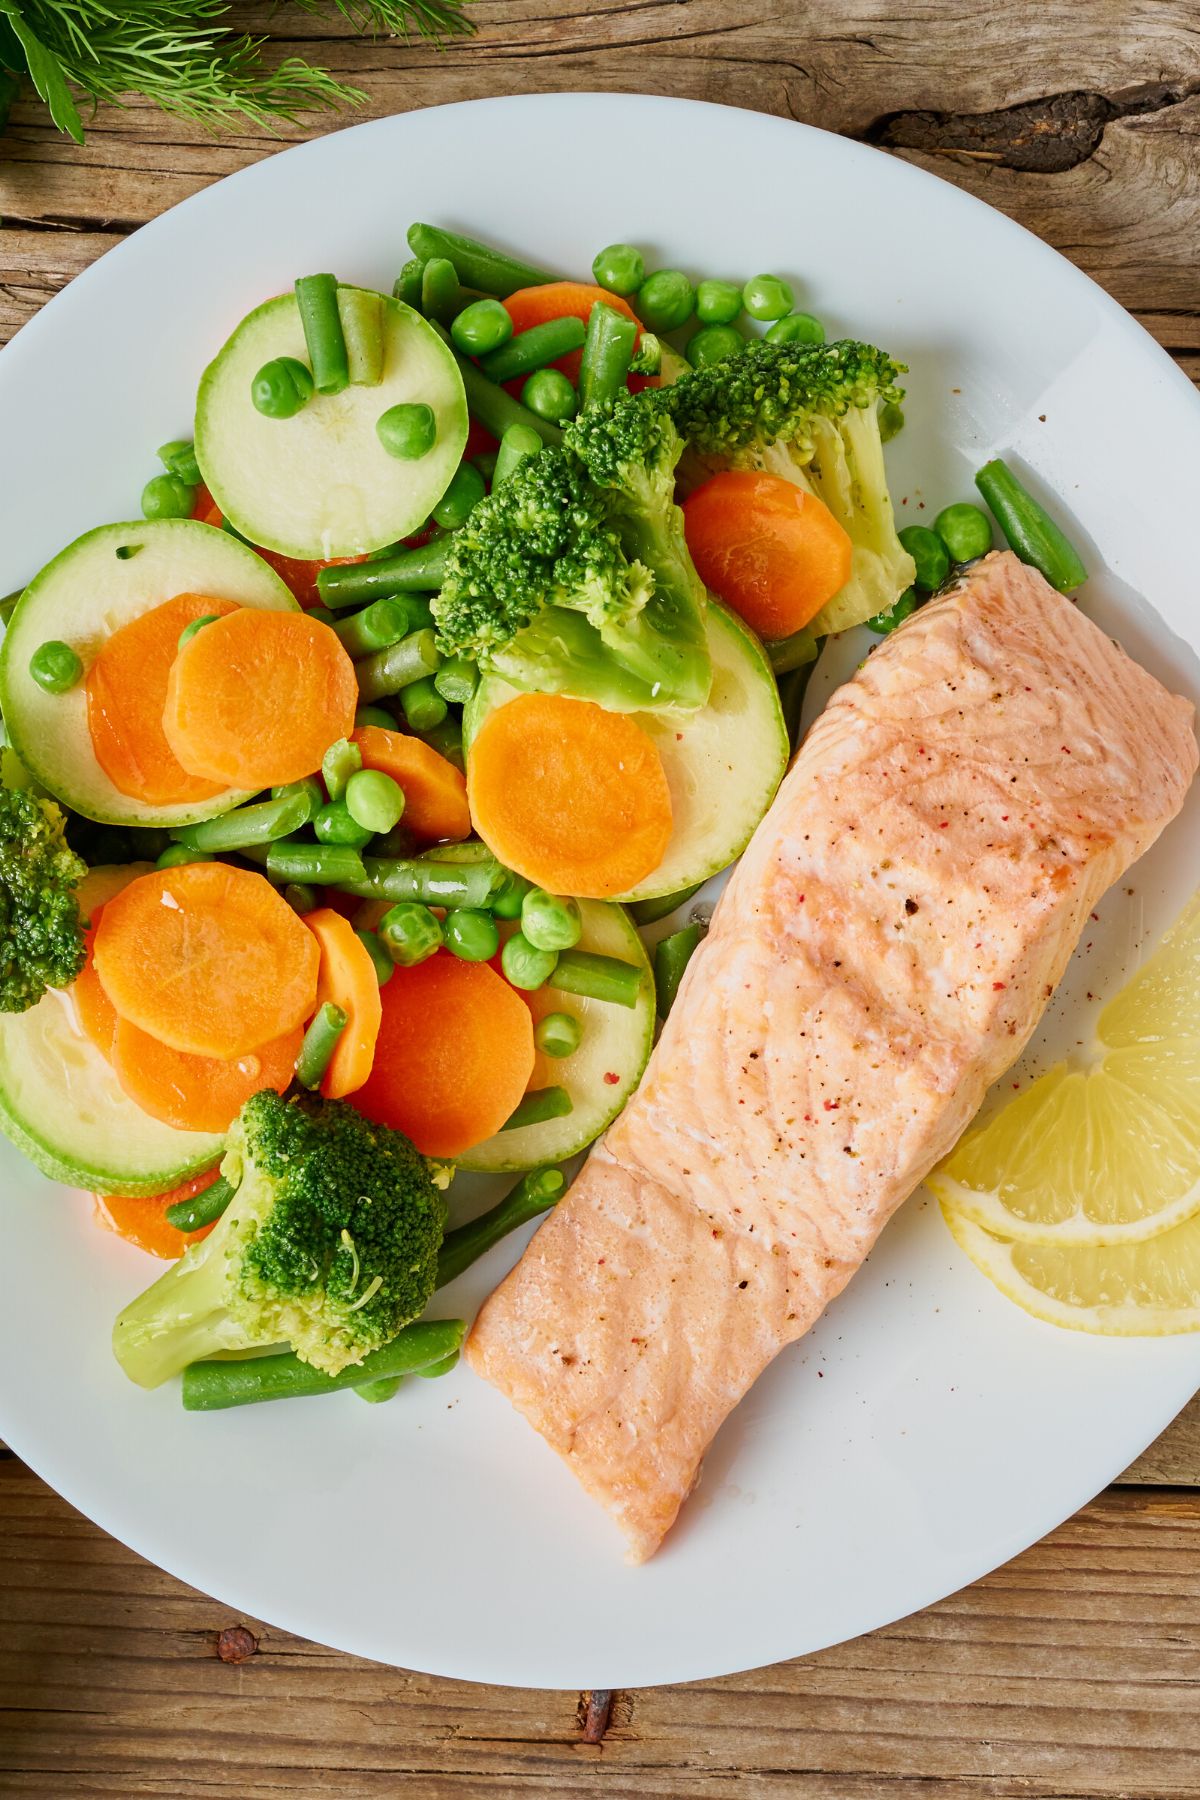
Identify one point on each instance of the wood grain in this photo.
(1072, 1672)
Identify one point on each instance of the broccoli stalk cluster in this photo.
(41, 936)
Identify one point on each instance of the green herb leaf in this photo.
(46, 73)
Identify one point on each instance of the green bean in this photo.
(471, 934)
(493, 407)
(718, 302)
(211, 1386)
(320, 1042)
(410, 933)
(767, 297)
(179, 458)
(598, 977)
(714, 344)
(300, 897)
(528, 1200)
(535, 348)
(796, 328)
(539, 1105)
(55, 667)
(422, 705)
(792, 689)
(524, 965)
(189, 631)
(389, 671)
(381, 962)
(665, 300)
(558, 1034)
(648, 912)
(324, 865)
(309, 786)
(965, 531)
(1030, 530)
(361, 313)
(204, 1208)
(551, 923)
(896, 613)
(619, 268)
(481, 327)
(376, 716)
(414, 569)
(342, 760)
(167, 497)
(446, 739)
(517, 443)
(550, 395)
(317, 299)
(928, 553)
(386, 1387)
(420, 613)
(407, 285)
(374, 800)
(335, 824)
(786, 654)
(441, 291)
(607, 353)
(462, 496)
(282, 388)
(382, 623)
(407, 431)
(261, 823)
(435, 1370)
(477, 265)
(176, 856)
(671, 957)
(445, 884)
(457, 680)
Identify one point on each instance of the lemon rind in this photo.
(983, 1207)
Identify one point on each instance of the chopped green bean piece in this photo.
(558, 1034)
(320, 1042)
(317, 300)
(671, 957)
(361, 313)
(539, 1105)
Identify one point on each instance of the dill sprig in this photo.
(182, 55)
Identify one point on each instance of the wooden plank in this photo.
(1071, 1672)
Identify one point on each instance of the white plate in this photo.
(926, 1430)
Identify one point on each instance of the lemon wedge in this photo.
(1107, 1154)
(1143, 1289)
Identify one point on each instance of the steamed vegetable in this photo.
(41, 935)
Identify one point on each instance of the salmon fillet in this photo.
(879, 958)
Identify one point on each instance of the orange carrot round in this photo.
(769, 549)
(198, 1093)
(564, 300)
(299, 574)
(141, 1218)
(347, 977)
(435, 792)
(258, 697)
(207, 958)
(570, 796)
(95, 1011)
(126, 688)
(454, 1055)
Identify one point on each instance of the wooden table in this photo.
(1073, 1671)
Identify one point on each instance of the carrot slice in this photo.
(95, 1011)
(140, 1218)
(126, 688)
(299, 574)
(347, 977)
(256, 699)
(572, 797)
(435, 792)
(198, 1093)
(564, 300)
(207, 958)
(769, 549)
(205, 508)
(454, 1055)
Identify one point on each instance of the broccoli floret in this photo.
(808, 412)
(329, 1244)
(546, 585)
(41, 936)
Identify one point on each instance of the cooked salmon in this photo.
(879, 958)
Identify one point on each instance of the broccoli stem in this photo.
(212, 1386)
(180, 1318)
(524, 1202)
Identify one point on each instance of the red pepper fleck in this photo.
(1065, 748)
(945, 825)
(997, 985)
(831, 1105)
(611, 1079)
(600, 1261)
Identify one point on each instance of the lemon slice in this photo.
(1146, 1289)
(1107, 1153)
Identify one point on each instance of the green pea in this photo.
(718, 302)
(896, 613)
(55, 667)
(550, 395)
(189, 631)
(467, 488)
(767, 297)
(374, 800)
(299, 895)
(482, 326)
(407, 431)
(410, 933)
(558, 1034)
(714, 344)
(524, 965)
(167, 497)
(282, 388)
(965, 531)
(619, 268)
(334, 825)
(383, 964)
(928, 553)
(891, 420)
(550, 923)
(507, 902)
(471, 935)
(797, 328)
(374, 715)
(665, 300)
